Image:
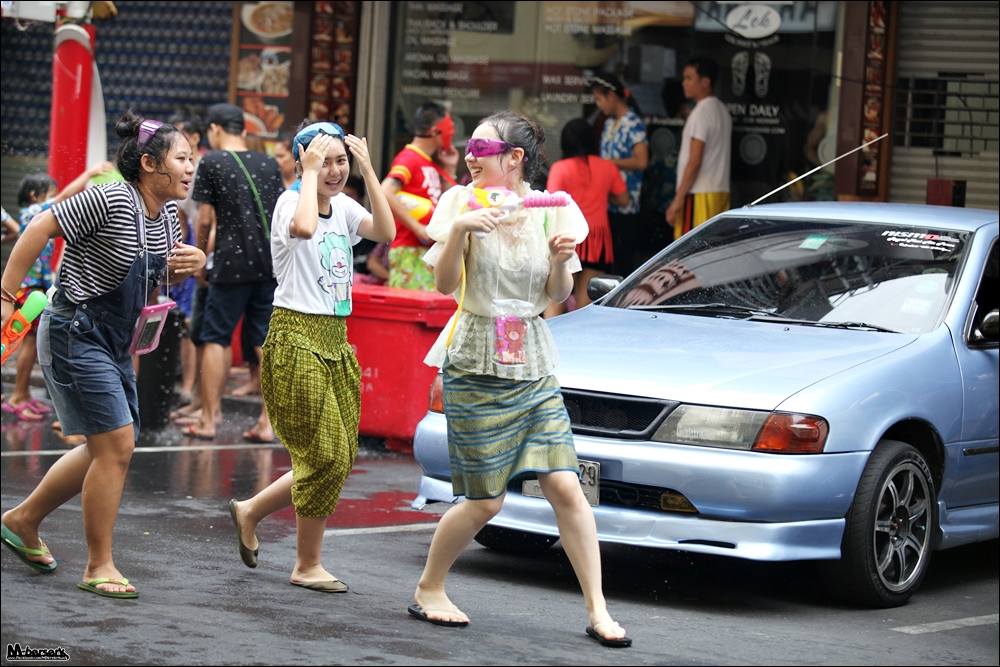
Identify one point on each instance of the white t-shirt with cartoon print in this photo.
(315, 275)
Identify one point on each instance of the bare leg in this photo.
(213, 369)
(454, 532)
(309, 530)
(189, 366)
(22, 382)
(554, 309)
(261, 431)
(276, 496)
(252, 386)
(62, 482)
(191, 413)
(578, 533)
(308, 550)
(25, 362)
(580, 282)
(102, 493)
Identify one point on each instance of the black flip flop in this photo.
(624, 642)
(418, 612)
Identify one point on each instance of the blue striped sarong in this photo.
(500, 429)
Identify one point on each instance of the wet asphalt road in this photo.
(200, 605)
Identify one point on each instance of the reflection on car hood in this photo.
(705, 360)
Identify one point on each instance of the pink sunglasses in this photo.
(478, 148)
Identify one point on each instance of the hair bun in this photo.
(536, 128)
(128, 125)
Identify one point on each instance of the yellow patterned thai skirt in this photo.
(311, 383)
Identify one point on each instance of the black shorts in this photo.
(225, 304)
(197, 314)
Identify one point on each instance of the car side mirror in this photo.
(988, 330)
(602, 285)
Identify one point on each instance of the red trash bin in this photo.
(391, 331)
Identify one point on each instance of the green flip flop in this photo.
(91, 586)
(15, 544)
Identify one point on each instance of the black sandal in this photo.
(418, 612)
(624, 642)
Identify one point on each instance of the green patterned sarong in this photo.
(501, 429)
(408, 270)
(311, 383)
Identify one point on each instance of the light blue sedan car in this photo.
(786, 382)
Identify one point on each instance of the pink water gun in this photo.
(509, 202)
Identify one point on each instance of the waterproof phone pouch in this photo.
(149, 326)
(510, 328)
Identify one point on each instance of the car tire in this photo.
(889, 536)
(511, 541)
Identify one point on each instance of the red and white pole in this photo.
(69, 126)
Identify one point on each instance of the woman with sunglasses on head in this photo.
(506, 418)
(310, 377)
(122, 241)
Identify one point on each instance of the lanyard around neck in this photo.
(140, 221)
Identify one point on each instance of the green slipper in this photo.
(91, 586)
(15, 544)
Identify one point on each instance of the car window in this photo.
(890, 276)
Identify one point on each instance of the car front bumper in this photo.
(750, 505)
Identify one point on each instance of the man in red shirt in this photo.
(413, 186)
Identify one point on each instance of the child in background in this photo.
(37, 193)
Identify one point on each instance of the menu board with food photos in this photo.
(333, 62)
(262, 78)
(874, 99)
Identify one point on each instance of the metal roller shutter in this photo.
(946, 119)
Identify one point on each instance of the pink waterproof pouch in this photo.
(149, 326)
(510, 329)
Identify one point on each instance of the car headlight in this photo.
(729, 428)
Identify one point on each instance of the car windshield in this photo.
(852, 275)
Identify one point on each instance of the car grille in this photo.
(614, 415)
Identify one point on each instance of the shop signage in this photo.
(776, 100)
(754, 21)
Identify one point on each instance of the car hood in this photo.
(705, 360)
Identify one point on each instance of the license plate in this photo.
(590, 482)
